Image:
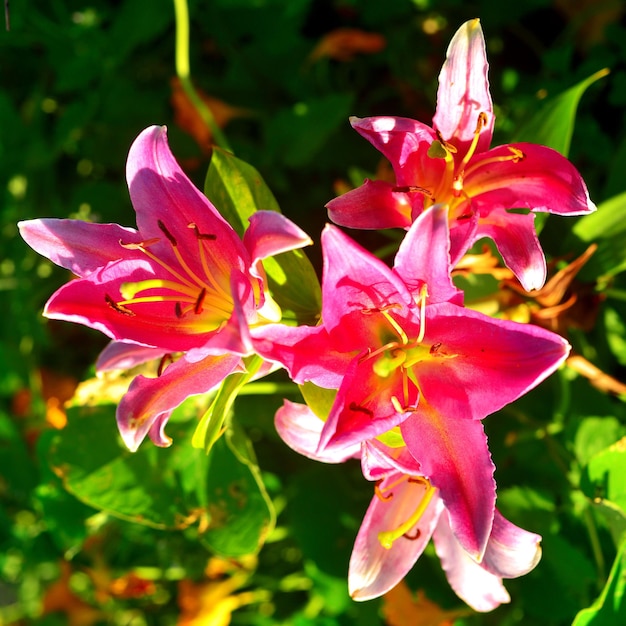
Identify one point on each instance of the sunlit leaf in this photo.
(238, 190)
(553, 124)
(610, 607)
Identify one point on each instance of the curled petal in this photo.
(482, 590)
(300, 429)
(464, 90)
(373, 205)
(374, 569)
(511, 551)
(271, 233)
(405, 143)
(516, 239)
(379, 460)
(122, 355)
(148, 399)
(79, 246)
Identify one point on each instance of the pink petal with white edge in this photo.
(148, 399)
(511, 551)
(300, 429)
(480, 589)
(374, 570)
(424, 257)
(464, 90)
(78, 246)
(271, 233)
(516, 239)
(371, 206)
(121, 355)
(453, 454)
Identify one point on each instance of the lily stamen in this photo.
(387, 538)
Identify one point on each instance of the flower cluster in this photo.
(411, 371)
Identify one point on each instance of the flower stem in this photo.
(183, 72)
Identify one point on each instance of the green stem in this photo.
(594, 539)
(183, 72)
(211, 425)
(268, 389)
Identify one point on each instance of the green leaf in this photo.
(604, 477)
(319, 400)
(606, 227)
(240, 511)
(146, 487)
(238, 190)
(166, 488)
(610, 607)
(594, 434)
(553, 124)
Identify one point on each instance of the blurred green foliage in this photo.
(78, 81)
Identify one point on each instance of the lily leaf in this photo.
(610, 606)
(553, 124)
(238, 190)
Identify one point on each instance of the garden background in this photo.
(92, 534)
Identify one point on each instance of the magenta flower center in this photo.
(453, 187)
(199, 298)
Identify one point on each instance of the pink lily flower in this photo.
(182, 287)
(405, 512)
(451, 163)
(408, 361)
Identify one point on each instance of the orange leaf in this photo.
(343, 44)
(187, 118)
(58, 597)
(403, 608)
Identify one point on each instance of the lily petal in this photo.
(464, 90)
(453, 454)
(300, 429)
(405, 143)
(511, 551)
(162, 195)
(482, 590)
(78, 246)
(373, 205)
(271, 233)
(355, 280)
(374, 569)
(379, 460)
(123, 355)
(148, 399)
(424, 257)
(363, 409)
(516, 239)
(483, 363)
(542, 180)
